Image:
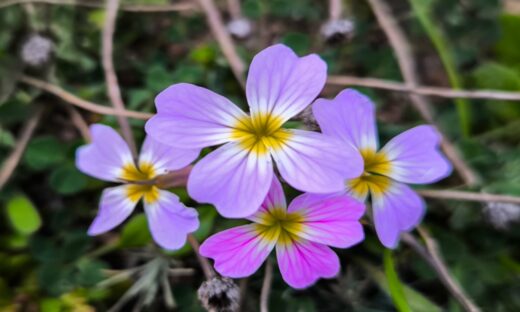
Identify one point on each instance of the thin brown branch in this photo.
(204, 263)
(266, 286)
(469, 196)
(79, 102)
(438, 265)
(423, 90)
(183, 6)
(234, 9)
(335, 9)
(224, 39)
(78, 121)
(114, 92)
(13, 159)
(402, 49)
(456, 290)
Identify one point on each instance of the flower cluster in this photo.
(336, 170)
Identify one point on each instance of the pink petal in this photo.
(312, 162)
(238, 252)
(114, 208)
(170, 221)
(282, 83)
(400, 209)
(415, 156)
(192, 117)
(164, 157)
(330, 219)
(275, 199)
(232, 179)
(303, 262)
(105, 157)
(349, 117)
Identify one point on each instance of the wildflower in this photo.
(108, 158)
(300, 233)
(411, 157)
(237, 175)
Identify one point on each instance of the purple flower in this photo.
(300, 233)
(237, 175)
(411, 157)
(108, 158)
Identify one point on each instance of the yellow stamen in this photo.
(374, 179)
(260, 133)
(144, 174)
(279, 226)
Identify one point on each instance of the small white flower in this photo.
(502, 215)
(240, 28)
(36, 50)
(337, 28)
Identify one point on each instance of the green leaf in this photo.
(44, 152)
(67, 180)
(394, 284)
(6, 138)
(422, 10)
(299, 42)
(135, 233)
(23, 216)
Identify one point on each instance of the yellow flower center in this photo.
(260, 133)
(145, 172)
(279, 226)
(373, 179)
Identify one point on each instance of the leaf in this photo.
(6, 138)
(135, 233)
(394, 284)
(299, 42)
(422, 10)
(23, 216)
(67, 180)
(44, 152)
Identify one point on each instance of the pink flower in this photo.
(411, 157)
(300, 233)
(108, 158)
(237, 175)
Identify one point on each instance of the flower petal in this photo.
(349, 117)
(397, 210)
(415, 157)
(275, 199)
(329, 219)
(303, 262)
(170, 221)
(114, 208)
(312, 162)
(106, 156)
(192, 117)
(233, 179)
(165, 158)
(281, 83)
(238, 252)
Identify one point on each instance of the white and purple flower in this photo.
(237, 175)
(411, 157)
(108, 158)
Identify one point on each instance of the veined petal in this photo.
(163, 157)
(115, 206)
(238, 252)
(170, 221)
(415, 157)
(303, 262)
(106, 156)
(192, 117)
(397, 210)
(329, 219)
(234, 180)
(275, 199)
(281, 83)
(350, 117)
(312, 162)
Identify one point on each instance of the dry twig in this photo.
(266, 286)
(402, 49)
(114, 93)
(224, 39)
(423, 90)
(79, 122)
(81, 103)
(13, 159)
(184, 6)
(204, 263)
(469, 196)
(335, 9)
(234, 9)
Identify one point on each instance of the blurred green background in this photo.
(48, 263)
